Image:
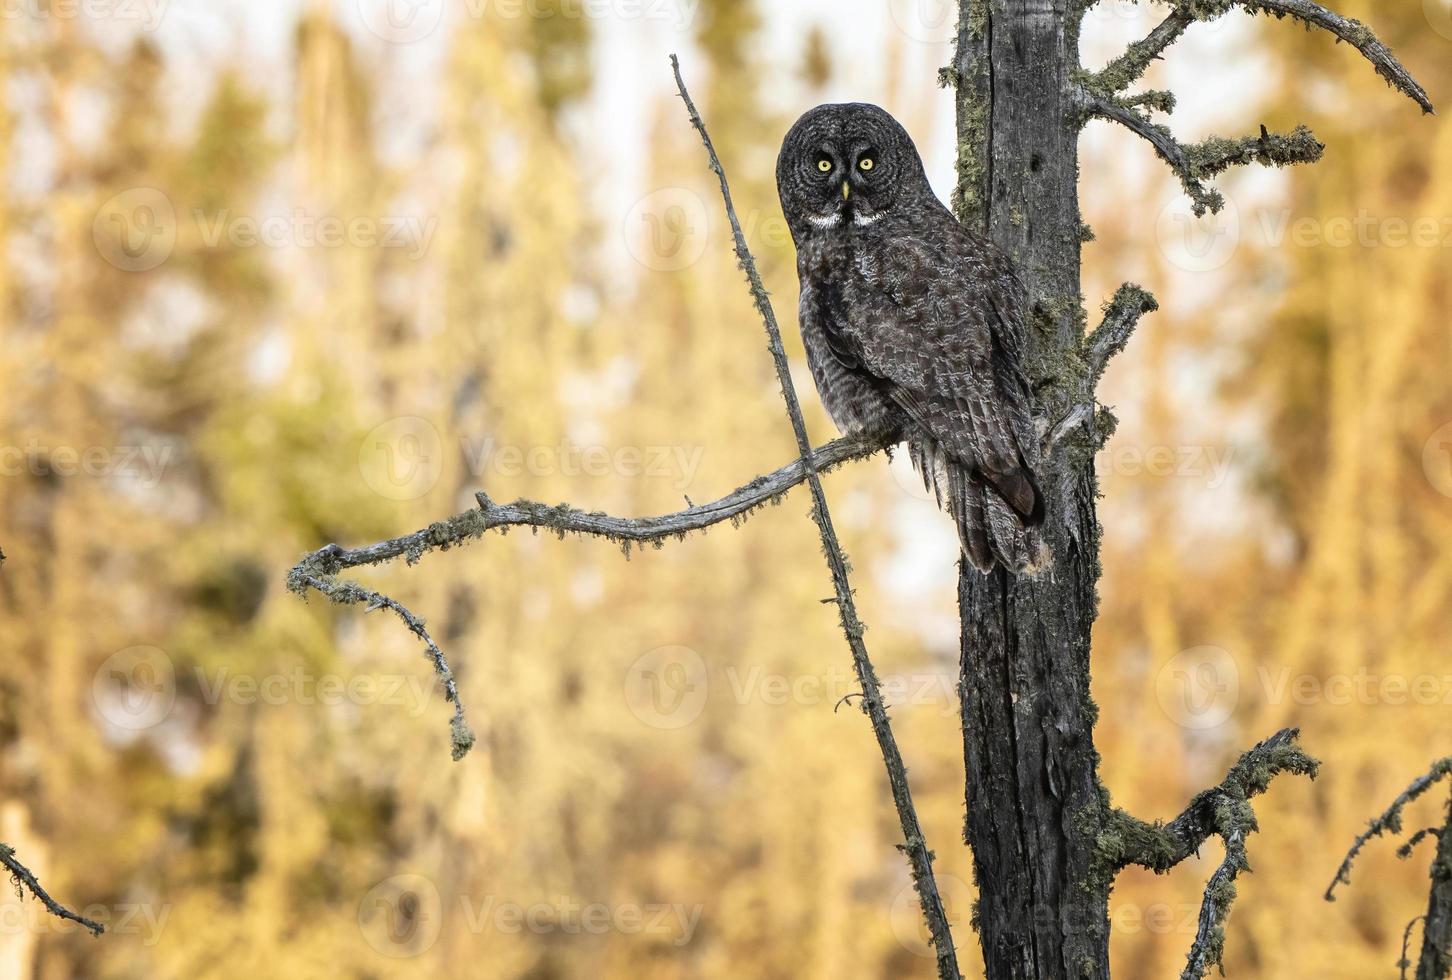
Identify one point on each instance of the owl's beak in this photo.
(846, 190)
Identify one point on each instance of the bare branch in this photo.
(22, 876)
(1435, 962)
(1407, 849)
(1389, 822)
(915, 846)
(563, 519)
(1198, 162)
(1406, 959)
(1121, 315)
(1353, 33)
(351, 593)
(320, 569)
(1159, 847)
(1208, 949)
(1129, 67)
(1223, 812)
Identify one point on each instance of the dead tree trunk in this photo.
(1033, 795)
(1046, 842)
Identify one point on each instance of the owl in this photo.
(914, 326)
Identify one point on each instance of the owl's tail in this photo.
(992, 530)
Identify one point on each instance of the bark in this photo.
(1034, 804)
(1435, 962)
(1047, 844)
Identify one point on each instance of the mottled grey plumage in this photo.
(913, 325)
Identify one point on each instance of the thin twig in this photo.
(1353, 33)
(319, 570)
(351, 593)
(920, 858)
(1389, 822)
(1406, 959)
(1407, 849)
(1129, 67)
(21, 875)
(1125, 70)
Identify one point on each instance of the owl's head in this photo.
(843, 163)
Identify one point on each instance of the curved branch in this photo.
(351, 593)
(1354, 33)
(21, 875)
(1198, 162)
(1129, 67)
(563, 519)
(1389, 822)
(1410, 847)
(1159, 847)
(1223, 812)
(319, 571)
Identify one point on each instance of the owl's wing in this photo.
(933, 327)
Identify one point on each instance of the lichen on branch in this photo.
(23, 880)
(319, 571)
(1223, 811)
(1195, 163)
(1129, 67)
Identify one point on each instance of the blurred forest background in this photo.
(243, 316)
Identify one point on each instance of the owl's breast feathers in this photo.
(913, 318)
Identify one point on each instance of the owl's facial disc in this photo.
(844, 165)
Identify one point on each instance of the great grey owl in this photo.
(914, 326)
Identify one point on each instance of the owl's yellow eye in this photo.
(824, 165)
(866, 163)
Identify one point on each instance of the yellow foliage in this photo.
(244, 785)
